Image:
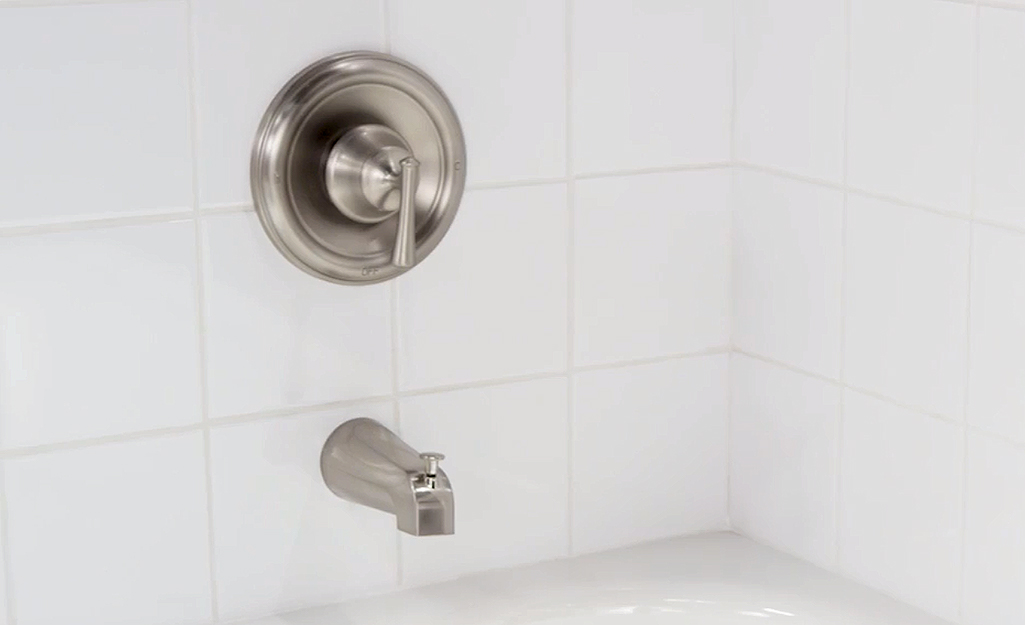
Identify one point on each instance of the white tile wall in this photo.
(115, 533)
(96, 111)
(791, 77)
(636, 69)
(900, 506)
(79, 359)
(658, 425)
(787, 271)
(994, 567)
(910, 115)
(906, 304)
(655, 283)
(1000, 187)
(163, 398)
(932, 440)
(784, 458)
(167, 378)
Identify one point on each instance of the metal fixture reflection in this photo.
(358, 168)
(366, 463)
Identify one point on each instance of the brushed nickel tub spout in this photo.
(366, 463)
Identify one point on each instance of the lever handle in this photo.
(405, 237)
(431, 460)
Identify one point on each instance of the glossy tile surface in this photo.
(279, 338)
(127, 523)
(78, 143)
(651, 84)
(651, 265)
(900, 508)
(97, 333)
(906, 305)
(787, 271)
(791, 77)
(784, 435)
(663, 428)
(911, 75)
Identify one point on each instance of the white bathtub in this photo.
(714, 579)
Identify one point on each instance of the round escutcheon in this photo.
(325, 172)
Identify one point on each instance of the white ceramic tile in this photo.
(503, 66)
(900, 508)
(115, 534)
(506, 453)
(787, 266)
(649, 452)
(910, 119)
(283, 540)
(491, 300)
(652, 83)
(95, 107)
(651, 265)
(999, 185)
(906, 305)
(791, 77)
(97, 333)
(996, 398)
(246, 50)
(994, 579)
(784, 432)
(277, 337)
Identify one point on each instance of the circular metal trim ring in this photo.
(301, 124)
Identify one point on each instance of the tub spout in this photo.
(366, 463)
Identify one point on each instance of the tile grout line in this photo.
(183, 214)
(731, 295)
(973, 195)
(570, 271)
(5, 540)
(200, 294)
(841, 411)
(393, 313)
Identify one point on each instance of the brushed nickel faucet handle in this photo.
(405, 237)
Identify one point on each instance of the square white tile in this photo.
(907, 305)
(503, 65)
(96, 103)
(114, 534)
(996, 398)
(98, 333)
(490, 302)
(506, 451)
(994, 576)
(655, 436)
(791, 76)
(784, 437)
(246, 50)
(652, 83)
(283, 540)
(999, 185)
(787, 271)
(651, 265)
(279, 338)
(910, 118)
(900, 506)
